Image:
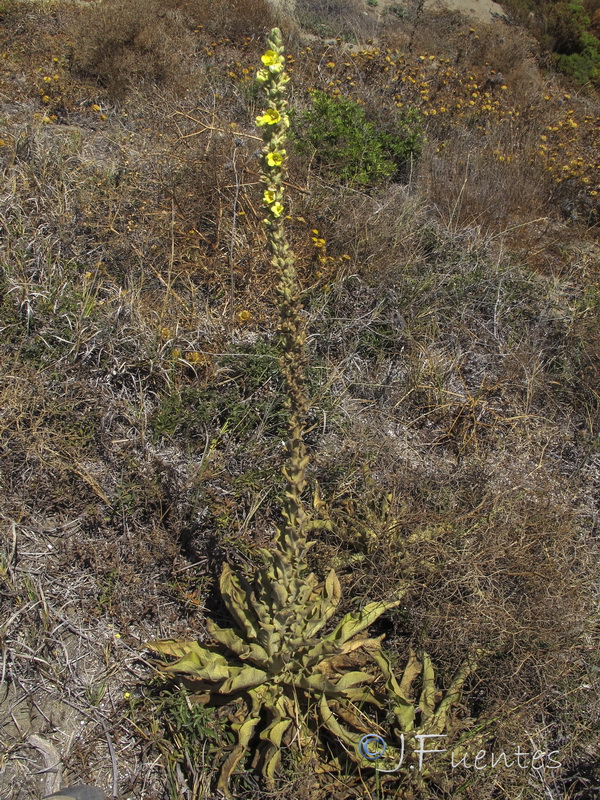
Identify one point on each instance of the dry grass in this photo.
(454, 371)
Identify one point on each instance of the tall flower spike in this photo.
(288, 680)
(293, 537)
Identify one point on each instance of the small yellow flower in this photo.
(127, 695)
(96, 107)
(276, 209)
(262, 75)
(244, 316)
(275, 159)
(270, 117)
(166, 333)
(271, 60)
(269, 197)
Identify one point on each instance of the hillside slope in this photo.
(446, 228)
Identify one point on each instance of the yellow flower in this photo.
(270, 117)
(244, 316)
(277, 209)
(262, 75)
(269, 197)
(127, 695)
(96, 107)
(271, 60)
(275, 159)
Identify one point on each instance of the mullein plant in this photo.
(286, 681)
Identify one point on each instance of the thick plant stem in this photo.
(291, 536)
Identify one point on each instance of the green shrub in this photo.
(577, 50)
(584, 67)
(580, 67)
(349, 146)
(566, 23)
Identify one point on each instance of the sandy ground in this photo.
(483, 10)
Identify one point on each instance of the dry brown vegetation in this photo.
(454, 322)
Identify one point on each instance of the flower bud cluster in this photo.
(274, 122)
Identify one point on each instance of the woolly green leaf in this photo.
(315, 683)
(366, 643)
(230, 639)
(269, 638)
(362, 694)
(238, 602)
(200, 662)
(357, 621)
(279, 595)
(325, 607)
(171, 647)
(354, 678)
(411, 671)
(332, 724)
(437, 723)
(427, 700)
(246, 678)
(404, 709)
(273, 734)
(245, 732)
